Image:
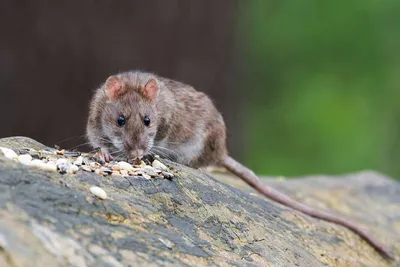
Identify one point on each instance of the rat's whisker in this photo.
(70, 138)
(166, 149)
(116, 152)
(84, 144)
(169, 152)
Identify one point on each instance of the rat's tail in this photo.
(250, 178)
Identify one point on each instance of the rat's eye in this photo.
(121, 120)
(146, 120)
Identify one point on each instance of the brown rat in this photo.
(134, 114)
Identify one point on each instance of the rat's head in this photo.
(130, 117)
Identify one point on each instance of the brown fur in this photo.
(185, 127)
(185, 113)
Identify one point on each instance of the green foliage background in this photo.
(322, 86)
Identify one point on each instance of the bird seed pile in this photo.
(70, 162)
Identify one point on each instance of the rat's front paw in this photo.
(102, 155)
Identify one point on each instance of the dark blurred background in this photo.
(305, 87)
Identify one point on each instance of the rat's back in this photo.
(191, 130)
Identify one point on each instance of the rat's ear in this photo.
(150, 90)
(114, 87)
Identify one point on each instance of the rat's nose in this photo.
(137, 153)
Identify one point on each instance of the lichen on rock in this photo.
(193, 219)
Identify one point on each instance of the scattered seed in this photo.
(60, 152)
(62, 161)
(158, 165)
(25, 159)
(49, 149)
(86, 168)
(98, 192)
(166, 242)
(9, 153)
(115, 168)
(79, 161)
(146, 176)
(72, 162)
(86, 161)
(49, 166)
(23, 151)
(106, 170)
(94, 164)
(150, 170)
(125, 166)
(168, 174)
(74, 168)
(36, 163)
(63, 166)
(72, 154)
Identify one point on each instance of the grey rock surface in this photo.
(49, 219)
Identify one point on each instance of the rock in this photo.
(48, 219)
(18, 142)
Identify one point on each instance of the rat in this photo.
(136, 114)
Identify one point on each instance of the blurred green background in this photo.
(321, 86)
(305, 87)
